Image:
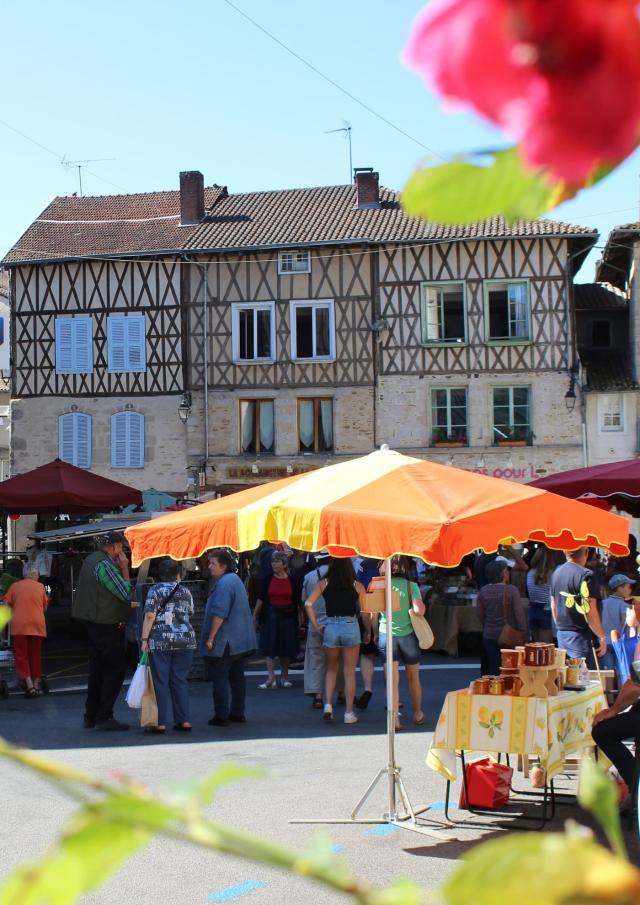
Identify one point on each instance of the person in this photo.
(314, 654)
(574, 608)
(228, 638)
(498, 602)
(340, 632)
(12, 573)
(28, 600)
(626, 565)
(617, 614)
(168, 636)
(277, 611)
(543, 563)
(508, 555)
(102, 601)
(612, 726)
(405, 643)
(367, 569)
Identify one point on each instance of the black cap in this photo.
(112, 537)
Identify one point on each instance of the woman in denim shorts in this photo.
(405, 643)
(341, 632)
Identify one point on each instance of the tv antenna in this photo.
(346, 128)
(81, 164)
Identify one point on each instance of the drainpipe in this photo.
(205, 357)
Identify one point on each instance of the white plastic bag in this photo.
(138, 682)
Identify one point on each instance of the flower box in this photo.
(512, 443)
(449, 444)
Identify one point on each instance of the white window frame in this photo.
(133, 456)
(511, 387)
(606, 419)
(315, 304)
(236, 308)
(441, 286)
(506, 340)
(132, 362)
(73, 421)
(79, 346)
(300, 262)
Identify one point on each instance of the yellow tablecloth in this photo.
(551, 728)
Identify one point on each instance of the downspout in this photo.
(205, 360)
(375, 338)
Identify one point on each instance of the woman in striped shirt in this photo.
(543, 564)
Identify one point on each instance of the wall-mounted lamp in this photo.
(255, 468)
(289, 468)
(184, 409)
(480, 463)
(570, 396)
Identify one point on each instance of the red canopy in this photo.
(59, 487)
(616, 482)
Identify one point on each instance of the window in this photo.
(511, 415)
(449, 415)
(127, 440)
(294, 262)
(507, 310)
(315, 425)
(74, 439)
(126, 337)
(443, 314)
(253, 331)
(312, 331)
(610, 407)
(601, 334)
(256, 426)
(74, 345)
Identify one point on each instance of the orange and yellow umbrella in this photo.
(378, 505)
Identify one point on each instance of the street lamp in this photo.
(570, 396)
(184, 409)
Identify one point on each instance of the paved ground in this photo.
(315, 770)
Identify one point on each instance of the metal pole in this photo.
(391, 713)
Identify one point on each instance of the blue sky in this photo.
(163, 87)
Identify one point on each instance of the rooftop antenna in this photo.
(80, 164)
(346, 128)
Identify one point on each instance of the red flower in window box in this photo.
(562, 77)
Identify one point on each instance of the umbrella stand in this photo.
(395, 785)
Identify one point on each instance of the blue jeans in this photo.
(405, 648)
(229, 684)
(577, 644)
(170, 669)
(341, 631)
(490, 659)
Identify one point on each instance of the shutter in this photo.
(136, 440)
(64, 346)
(74, 439)
(116, 342)
(82, 345)
(127, 440)
(119, 440)
(135, 343)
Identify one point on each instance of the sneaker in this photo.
(112, 725)
(327, 716)
(350, 717)
(363, 701)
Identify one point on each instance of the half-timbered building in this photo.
(288, 329)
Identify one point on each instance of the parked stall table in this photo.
(447, 621)
(551, 729)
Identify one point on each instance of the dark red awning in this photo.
(616, 482)
(59, 487)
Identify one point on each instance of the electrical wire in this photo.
(332, 82)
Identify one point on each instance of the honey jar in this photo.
(509, 659)
(512, 685)
(480, 686)
(496, 685)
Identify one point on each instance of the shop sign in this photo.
(512, 473)
(244, 473)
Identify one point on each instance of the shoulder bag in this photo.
(510, 636)
(421, 627)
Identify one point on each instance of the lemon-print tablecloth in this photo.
(552, 728)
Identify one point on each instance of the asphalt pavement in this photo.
(315, 770)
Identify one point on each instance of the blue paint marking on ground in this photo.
(438, 806)
(234, 892)
(336, 849)
(383, 830)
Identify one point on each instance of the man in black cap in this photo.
(103, 602)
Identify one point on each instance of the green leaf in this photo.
(463, 192)
(402, 892)
(201, 792)
(597, 793)
(541, 869)
(5, 616)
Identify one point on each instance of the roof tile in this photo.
(599, 297)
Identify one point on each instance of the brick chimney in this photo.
(191, 197)
(367, 187)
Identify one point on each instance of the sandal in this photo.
(419, 720)
(268, 685)
(155, 730)
(287, 684)
(31, 693)
(182, 727)
(317, 704)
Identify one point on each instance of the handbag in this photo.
(136, 688)
(149, 704)
(421, 627)
(510, 636)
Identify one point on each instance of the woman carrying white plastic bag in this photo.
(138, 682)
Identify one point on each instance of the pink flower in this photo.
(562, 77)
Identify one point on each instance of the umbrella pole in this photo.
(406, 821)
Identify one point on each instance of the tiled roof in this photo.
(72, 227)
(608, 369)
(615, 265)
(599, 297)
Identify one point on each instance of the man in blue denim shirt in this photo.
(228, 636)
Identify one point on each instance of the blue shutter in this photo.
(127, 440)
(74, 345)
(136, 344)
(127, 343)
(116, 343)
(74, 439)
